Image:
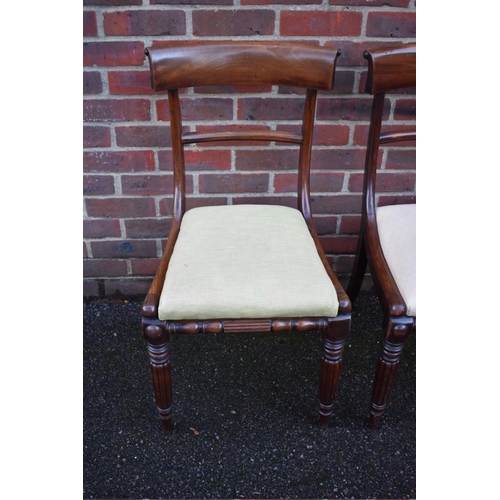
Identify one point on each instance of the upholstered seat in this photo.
(245, 261)
(397, 232)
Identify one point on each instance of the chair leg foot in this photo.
(388, 362)
(166, 426)
(333, 348)
(374, 421)
(323, 421)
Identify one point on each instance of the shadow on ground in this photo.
(245, 413)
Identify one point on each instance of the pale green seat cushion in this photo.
(245, 261)
(397, 230)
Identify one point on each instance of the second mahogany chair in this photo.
(387, 239)
(243, 268)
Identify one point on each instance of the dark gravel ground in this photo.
(245, 413)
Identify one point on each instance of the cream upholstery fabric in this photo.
(397, 231)
(245, 261)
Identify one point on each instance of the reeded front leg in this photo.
(157, 337)
(333, 347)
(397, 332)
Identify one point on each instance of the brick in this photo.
(386, 182)
(233, 89)
(113, 54)
(130, 82)
(194, 202)
(320, 23)
(124, 249)
(371, 3)
(320, 182)
(406, 109)
(85, 251)
(343, 82)
(233, 22)
(115, 110)
(281, 2)
(271, 108)
(96, 137)
(92, 83)
(101, 228)
(267, 159)
(192, 2)
(191, 202)
(347, 108)
(147, 136)
(350, 224)
(233, 183)
(89, 23)
(196, 159)
(396, 200)
(106, 267)
(98, 185)
(151, 185)
(169, 42)
(199, 109)
(345, 265)
(118, 161)
(324, 135)
(205, 129)
(337, 159)
(120, 207)
(90, 288)
(337, 204)
(147, 228)
(145, 23)
(401, 159)
(326, 224)
(106, 3)
(144, 267)
(285, 183)
(331, 135)
(339, 244)
(131, 287)
(391, 24)
(285, 200)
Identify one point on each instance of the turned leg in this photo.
(333, 347)
(157, 337)
(358, 270)
(397, 332)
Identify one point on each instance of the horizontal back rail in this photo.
(196, 63)
(387, 137)
(257, 135)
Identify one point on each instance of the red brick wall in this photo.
(127, 160)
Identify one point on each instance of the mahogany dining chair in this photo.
(387, 237)
(243, 268)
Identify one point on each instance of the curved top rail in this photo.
(197, 63)
(391, 67)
